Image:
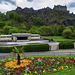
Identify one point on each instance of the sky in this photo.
(8, 5)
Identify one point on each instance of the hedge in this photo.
(66, 45)
(27, 48)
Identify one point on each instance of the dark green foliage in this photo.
(22, 31)
(60, 29)
(71, 27)
(13, 15)
(13, 30)
(2, 24)
(67, 33)
(73, 34)
(37, 21)
(66, 45)
(6, 49)
(32, 31)
(55, 30)
(27, 48)
(6, 29)
(45, 30)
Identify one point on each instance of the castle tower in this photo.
(60, 8)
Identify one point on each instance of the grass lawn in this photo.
(46, 69)
(58, 38)
(63, 72)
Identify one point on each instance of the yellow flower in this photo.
(35, 72)
(43, 70)
(40, 70)
(62, 67)
(59, 68)
(13, 64)
(54, 69)
(66, 66)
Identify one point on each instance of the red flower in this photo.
(40, 68)
(36, 69)
(58, 65)
(17, 72)
(5, 72)
(43, 66)
(31, 69)
(11, 72)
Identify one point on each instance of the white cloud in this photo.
(36, 4)
(6, 7)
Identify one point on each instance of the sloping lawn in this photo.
(58, 38)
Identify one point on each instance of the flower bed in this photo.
(35, 65)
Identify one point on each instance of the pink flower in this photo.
(43, 66)
(36, 69)
(17, 72)
(11, 72)
(31, 69)
(5, 72)
(40, 68)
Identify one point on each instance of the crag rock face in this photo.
(58, 15)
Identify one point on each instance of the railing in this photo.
(41, 54)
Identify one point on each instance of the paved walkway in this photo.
(47, 53)
(23, 43)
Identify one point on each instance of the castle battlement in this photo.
(60, 8)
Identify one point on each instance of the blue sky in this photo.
(8, 5)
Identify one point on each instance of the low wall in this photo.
(74, 45)
(54, 46)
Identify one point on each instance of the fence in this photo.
(41, 54)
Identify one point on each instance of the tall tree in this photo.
(37, 21)
(67, 33)
(6, 29)
(43, 30)
(55, 30)
(60, 29)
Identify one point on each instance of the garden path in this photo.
(47, 53)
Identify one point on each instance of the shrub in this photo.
(27, 48)
(67, 33)
(66, 45)
(6, 49)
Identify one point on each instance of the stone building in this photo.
(60, 8)
(21, 37)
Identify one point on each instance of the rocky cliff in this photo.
(48, 15)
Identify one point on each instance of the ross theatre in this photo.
(19, 37)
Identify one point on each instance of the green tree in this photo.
(22, 26)
(1, 31)
(31, 31)
(55, 30)
(73, 34)
(6, 29)
(28, 25)
(37, 21)
(13, 30)
(23, 31)
(71, 27)
(19, 51)
(60, 29)
(67, 33)
(13, 15)
(2, 24)
(43, 30)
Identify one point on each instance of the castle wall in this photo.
(60, 8)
